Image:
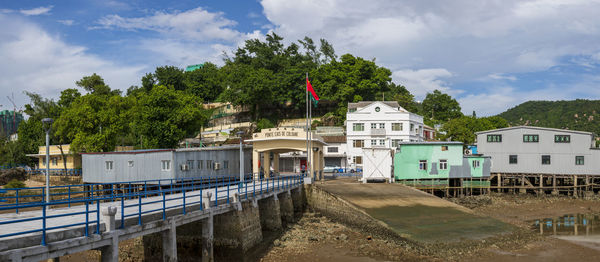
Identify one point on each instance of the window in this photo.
(200, 164)
(512, 159)
(494, 138)
(190, 164)
(358, 143)
(579, 160)
(225, 164)
(165, 165)
(373, 142)
(396, 142)
(358, 127)
(377, 109)
(545, 160)
(412, 127)
(562, 139)
(396, 126)
(475, 163)
(54, 161)
(332, 149)
(130, 163)
(109, 165)
(381, 125)
(352, 110)
(209, 164)
(373, 125)
(443, 164)
(444, 148)
(531, 138)
(382, 142)
(228, 106)
(423, 165)
(358, 160)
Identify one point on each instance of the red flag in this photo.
(311, 90)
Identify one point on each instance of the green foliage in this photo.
(206, 82)
(580, 114)
(165, 116)
(463, 128)
(264, 123)
(15, 184)
(441, 107)
(95, 84)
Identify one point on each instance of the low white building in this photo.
(379, 124)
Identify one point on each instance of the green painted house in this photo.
(438, 161)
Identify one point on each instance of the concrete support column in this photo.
(541, 185)
(522, 190)
(255, 166)
(267, 163)
(270, 215)
(169, 243)
(235, 233)
(207, 239)
(500, 183)
(298, 201)
(110, 253)
(286, 208)
(554, 191)
(575, 191)
(275, 162)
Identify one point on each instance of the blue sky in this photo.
(490, 55)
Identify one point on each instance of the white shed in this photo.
(377, 164)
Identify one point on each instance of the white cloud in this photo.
(195, 24)
(422, 81)
(497, 76)
(66, 22)
(37, 11)
(36, 61)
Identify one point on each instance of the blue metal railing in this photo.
(166, 194)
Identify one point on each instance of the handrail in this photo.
(185, 193)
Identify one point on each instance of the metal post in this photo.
(48, 165)
(242, 178)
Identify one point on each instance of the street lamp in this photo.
(47, 124)
(240, 133)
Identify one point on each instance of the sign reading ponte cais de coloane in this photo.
(281, 133)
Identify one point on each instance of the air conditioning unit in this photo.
(185, 167)
(217, 165)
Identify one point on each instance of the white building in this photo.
(379, 124)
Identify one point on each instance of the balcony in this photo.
(377, 132)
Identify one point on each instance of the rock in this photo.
(343, 237)
(312, 238)
(369, 238)
(276, 243)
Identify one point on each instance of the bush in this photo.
(13, 174)
(15, 184)
(264, 123)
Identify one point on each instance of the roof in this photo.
(334, 139)
(535, 128)
(212, 148)
(138, 151)
(432, 143)
(361, 104)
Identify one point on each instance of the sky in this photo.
(489, 55)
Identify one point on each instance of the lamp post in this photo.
(242, 178)
(47, 123)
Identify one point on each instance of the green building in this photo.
(9, 122)
(439, 164)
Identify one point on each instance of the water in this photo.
(569, 225)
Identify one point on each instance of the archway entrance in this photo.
(268, 144)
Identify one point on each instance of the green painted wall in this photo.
(406, 160)
(476, 172)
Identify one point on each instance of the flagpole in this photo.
(310, 138)
(307, 146)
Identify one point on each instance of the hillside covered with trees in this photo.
(577, 114)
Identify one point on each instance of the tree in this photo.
(205, 82)
(170, 76)
(67, 97)
(165, 116)
(463, 128)
(95, 84)
(441, 107)
(404, 98)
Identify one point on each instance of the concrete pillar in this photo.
(286, 208)
(276, 162)
(169, 243)
(110, 253)
(270, 215)
(541, 185)
(554, 191)
(500, 183)
(207, 239)
(575, 191)
(236, 232)
(298, 201)
(267, 163)
(255, 167)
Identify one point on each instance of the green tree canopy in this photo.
(463, 128)
(441, 107)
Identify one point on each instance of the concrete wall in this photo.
(529, 154)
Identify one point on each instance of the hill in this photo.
(577, 114)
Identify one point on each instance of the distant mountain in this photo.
(580, 114)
